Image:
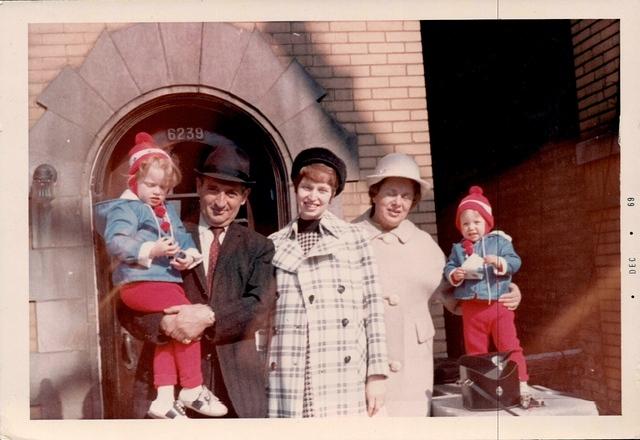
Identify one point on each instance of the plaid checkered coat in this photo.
(333, 293)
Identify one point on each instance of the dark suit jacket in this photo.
(243, 302)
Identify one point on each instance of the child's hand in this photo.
(181, 263)
(164, 247)
(494, 261)
(457, 275)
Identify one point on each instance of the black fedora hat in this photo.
(227, 162)
(323, 156)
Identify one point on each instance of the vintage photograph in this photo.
(441, 142)
(302, 219)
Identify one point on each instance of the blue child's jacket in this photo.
(125, 224)
(491, 286)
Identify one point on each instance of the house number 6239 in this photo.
(185, 133)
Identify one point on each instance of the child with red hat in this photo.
(151, 247)
(480, 268)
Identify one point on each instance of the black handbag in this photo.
(489, 382)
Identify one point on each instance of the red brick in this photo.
(46, 51)
(78, 49)
(411, 25)
(273, 27)
(338, 106)
(366, 139)
(375, 151)
(413, 47)
(83, 27)
(414, 149)
(320, 72)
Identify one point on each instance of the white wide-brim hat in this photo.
(398, 165)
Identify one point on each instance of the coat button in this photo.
(311, 298)
(395, 366)
(347, 359)
(345, 322)
(394, 299)
(273, 365)
(208, 357)
(340, 288)
(275, 330)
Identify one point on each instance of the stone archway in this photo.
(126, 69)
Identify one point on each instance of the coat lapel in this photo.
(192, 228)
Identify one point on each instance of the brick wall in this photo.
(597, 59)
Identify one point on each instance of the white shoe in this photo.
(206, 403)
(175, 412)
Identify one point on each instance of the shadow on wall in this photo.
(48, 405)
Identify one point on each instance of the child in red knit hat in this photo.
(151, 246)
(480, 267)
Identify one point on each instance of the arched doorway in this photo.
(186, 125)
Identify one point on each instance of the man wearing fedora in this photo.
(232, 295)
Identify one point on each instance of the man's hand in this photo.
(494, 261)
(164, 247)
(186, 323)
(375, 390)
(511, 299)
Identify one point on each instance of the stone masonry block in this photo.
(59, 224)
(118, 87)
(314, 127)
(292, 92)
(62, 325)
(72, 98)
(59, 273)
(182, 43)
(223, 47)
(141, 48)
(258, 62)
(59, 384)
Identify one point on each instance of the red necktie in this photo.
(214, 251)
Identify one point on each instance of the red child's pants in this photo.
(481, 320)
(174, 359)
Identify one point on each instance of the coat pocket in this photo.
(424, 331)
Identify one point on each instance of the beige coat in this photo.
(410, 267)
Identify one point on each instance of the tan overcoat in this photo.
(410, 267)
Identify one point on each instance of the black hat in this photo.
(323, 156)
(227, 162)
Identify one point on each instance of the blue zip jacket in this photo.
(491, 286)
(126, 224)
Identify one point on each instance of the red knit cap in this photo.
(144, 148)
(476, 201)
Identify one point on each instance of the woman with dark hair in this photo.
(328, 351)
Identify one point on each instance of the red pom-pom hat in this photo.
(144, 148)
(478, 202)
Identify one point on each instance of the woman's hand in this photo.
(511, 299)
(375, 390)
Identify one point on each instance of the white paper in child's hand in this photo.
(473, 266)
